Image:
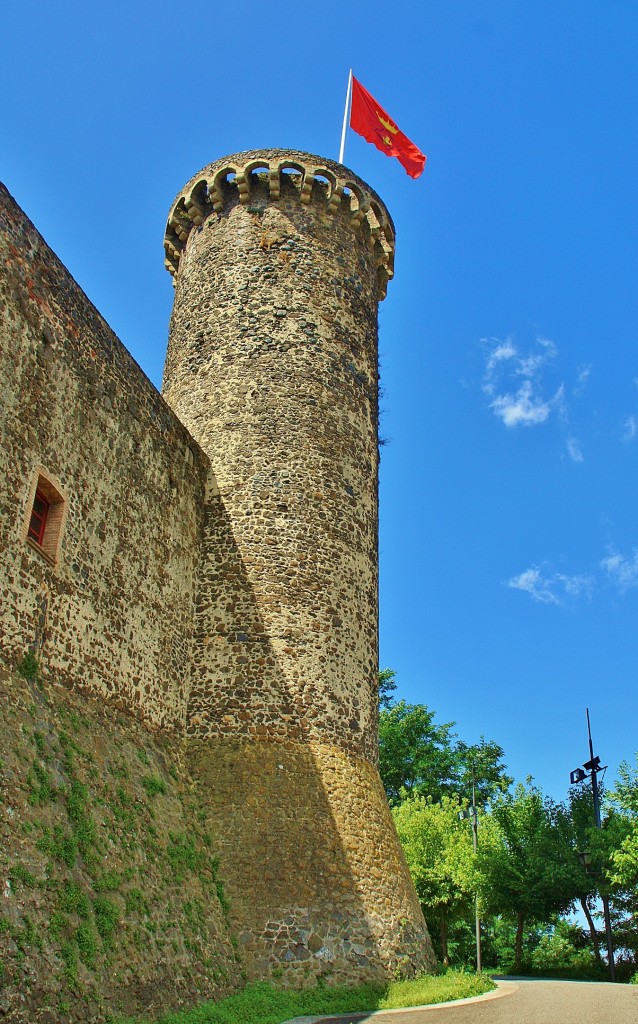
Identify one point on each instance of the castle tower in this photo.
(280, 259)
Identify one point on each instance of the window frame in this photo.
(37, 535)
(47, 541)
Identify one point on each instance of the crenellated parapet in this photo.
(330, 186)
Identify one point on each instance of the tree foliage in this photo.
(622, 840)
(416, 755)
(438, 849)
(387, 686)
(528, 869)
(421, 757)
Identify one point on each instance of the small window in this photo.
(46, 517)
(39, 515)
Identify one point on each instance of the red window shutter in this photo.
(38, 520)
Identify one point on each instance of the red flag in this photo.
(368, 118)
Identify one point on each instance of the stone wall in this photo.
(113, 614)
(317, 881)
(112, 901)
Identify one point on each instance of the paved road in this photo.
(521, 1002)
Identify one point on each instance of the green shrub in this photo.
(73, 899)
(106, 918)
(183, 855)
(108, 881)
(29, 934)
(19, 874)
(58, 845)
(40, 745)
(556, 955)
(221, 896)
(69, 955)
(134, 902)
(57, 925)
(40, 784)
(87, 944)
(80, 816)
(28, 667)
(154, 785)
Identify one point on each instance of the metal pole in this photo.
(605, 901)
(342, 148)
(477, 921)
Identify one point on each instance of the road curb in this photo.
(503, 988)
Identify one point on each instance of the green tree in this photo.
(438, 849)
(619, 840)
(563, 951)
(609, 872)
(421, 757)
(585, 840)
(416, 755)
(624, 871)
(527, 868)
(387, 686)
(483, 763)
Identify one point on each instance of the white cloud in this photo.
(530, 365)
(581, 379)
(503, 350)
(535, 585)
(545, 585)
(630, 429)
(524, 407)
(514, 401)
(576, 586)
(622, 569)
(550, 588)
(573, 449)
(499, 353)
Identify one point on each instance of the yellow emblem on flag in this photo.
(388, 124)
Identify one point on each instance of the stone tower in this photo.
(280, 259)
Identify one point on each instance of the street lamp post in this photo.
(472, 812)
(593, 766)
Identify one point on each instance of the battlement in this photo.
(330, 186)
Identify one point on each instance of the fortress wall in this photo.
(129, 848)
(113, 615)
(235, 599)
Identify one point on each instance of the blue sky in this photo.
(509, 492)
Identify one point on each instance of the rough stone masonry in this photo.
(211, 564)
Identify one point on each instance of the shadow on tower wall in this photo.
(317, 881)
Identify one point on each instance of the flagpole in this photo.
(345, 118)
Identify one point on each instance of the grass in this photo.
(439, 989)
(261, 1003)
(154, 785)
(28, 667)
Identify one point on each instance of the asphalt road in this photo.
(521, 1002)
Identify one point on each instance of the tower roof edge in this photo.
(206, 192)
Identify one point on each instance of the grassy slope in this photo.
(111, 897)
(263, 1004)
